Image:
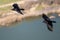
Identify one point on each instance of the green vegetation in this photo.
(6, 8)
(7, 1)
(39, 7)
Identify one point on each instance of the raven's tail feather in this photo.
(22, 9)
(54, 21)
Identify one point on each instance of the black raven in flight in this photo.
(16, 8)
(48, 21)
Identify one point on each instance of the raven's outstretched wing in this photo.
(50, 28)
(49, 25)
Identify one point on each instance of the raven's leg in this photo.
(54, 21)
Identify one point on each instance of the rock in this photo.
(52, 17)
(58, 14)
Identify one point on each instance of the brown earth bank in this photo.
(7, 20)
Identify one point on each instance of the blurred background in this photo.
(29, 26)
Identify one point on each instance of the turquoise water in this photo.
(31, 30)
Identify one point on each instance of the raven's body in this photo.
(16, 8)
(48, 22)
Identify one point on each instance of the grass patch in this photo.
(39, 7)
(6, 8)
(7, 1)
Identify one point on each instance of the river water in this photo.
(31, 29)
